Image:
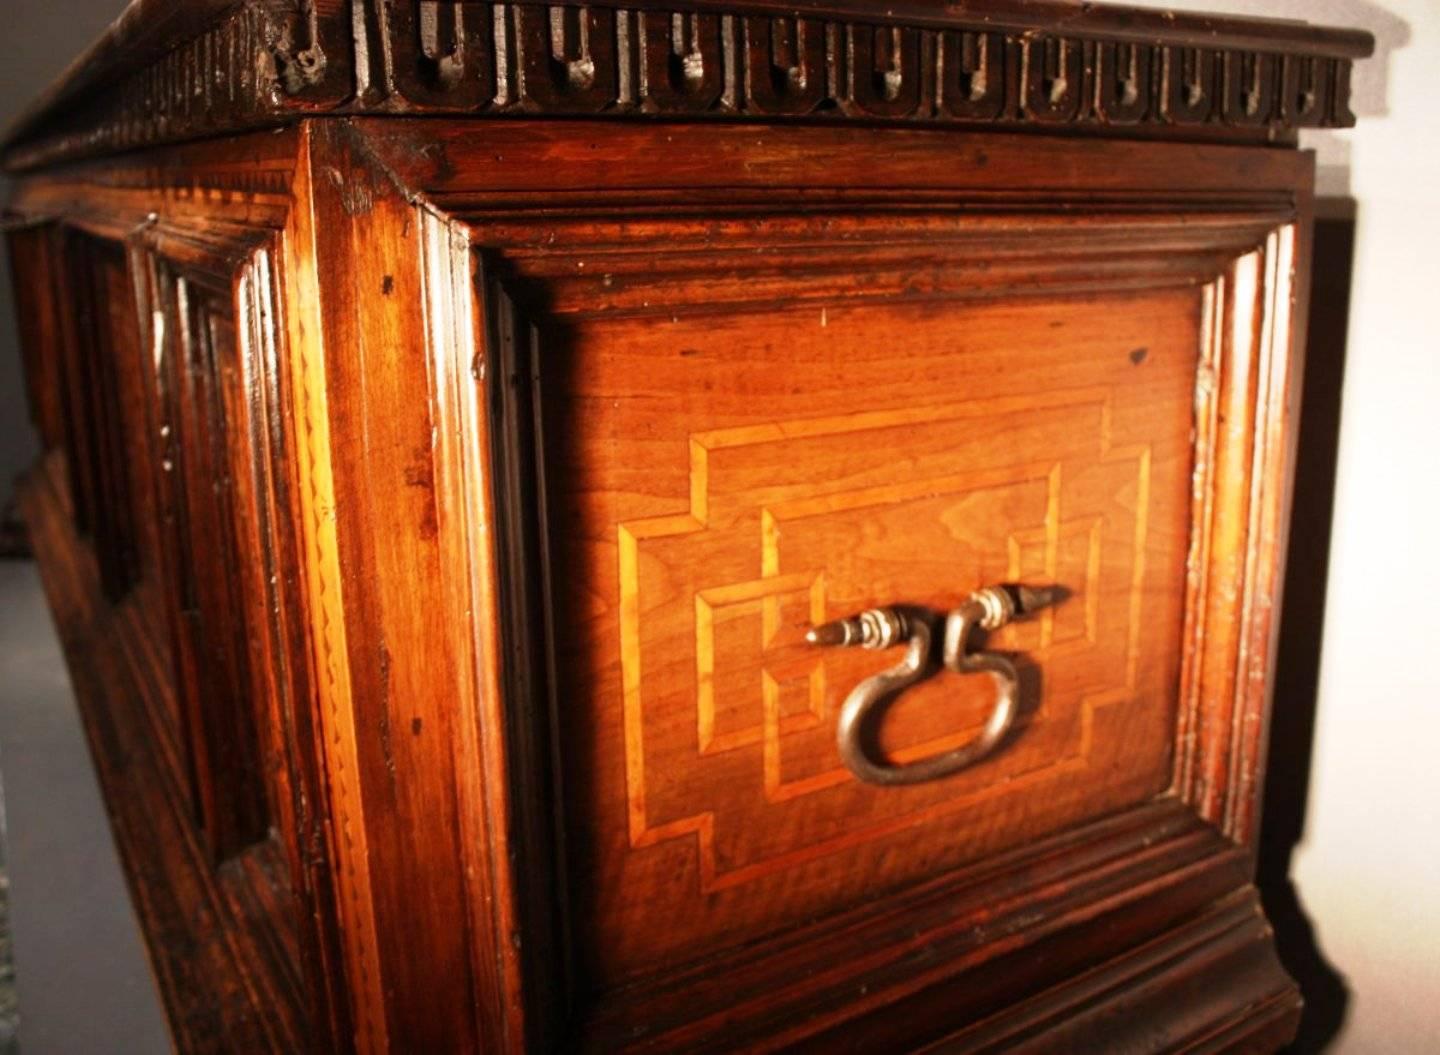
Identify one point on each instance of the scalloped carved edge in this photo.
(261, 65)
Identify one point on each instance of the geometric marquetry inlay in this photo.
(738, 624)
(724, 511)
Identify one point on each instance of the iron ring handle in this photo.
(990, 609)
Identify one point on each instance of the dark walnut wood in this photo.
(169, 71)
(434, 511)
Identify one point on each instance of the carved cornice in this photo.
(273, 60)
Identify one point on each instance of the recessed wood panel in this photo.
(204, 448)
(721, 482)
(33, 266)
(102, 355)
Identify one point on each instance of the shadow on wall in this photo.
(1297, 674)
(1369, 84)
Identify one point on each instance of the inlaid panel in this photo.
(720, 483)
(489, 479)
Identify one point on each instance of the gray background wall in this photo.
(38, 39)
(83, 983)
(1367, 865)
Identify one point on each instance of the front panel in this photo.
(723, 481)
(739, 426)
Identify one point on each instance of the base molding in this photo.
(1213, 984)
(1141, 933)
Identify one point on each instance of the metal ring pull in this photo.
(989, 609)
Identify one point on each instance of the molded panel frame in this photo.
(253, 901)
(1134, 876)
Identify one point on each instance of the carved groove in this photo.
(257, 67)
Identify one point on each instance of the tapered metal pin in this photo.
(1033, 598)
(829, 635)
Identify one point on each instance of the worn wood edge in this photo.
(325, 590)
(430, 975)
(1247, 407)
(1210, 984)
(466, 516)
(1037, 914)
(242, 66)
(186, 916)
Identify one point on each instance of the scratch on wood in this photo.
(385, 748)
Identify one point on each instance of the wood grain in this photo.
(446, 500)
(902, 460)
(183, 308)
(599, 296)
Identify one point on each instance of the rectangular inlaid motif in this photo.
(724, 482)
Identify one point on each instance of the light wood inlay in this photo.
(764, 595)
(780, 517)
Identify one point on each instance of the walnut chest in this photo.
(706, 527)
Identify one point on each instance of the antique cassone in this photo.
(467, 426)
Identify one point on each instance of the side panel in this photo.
(32, 257)
(163, 517)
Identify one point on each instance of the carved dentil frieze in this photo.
(269, 62)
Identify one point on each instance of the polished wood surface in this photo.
(716, 503)
(434, 510)
(581, 302)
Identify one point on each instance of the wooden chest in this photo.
(473, 431)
